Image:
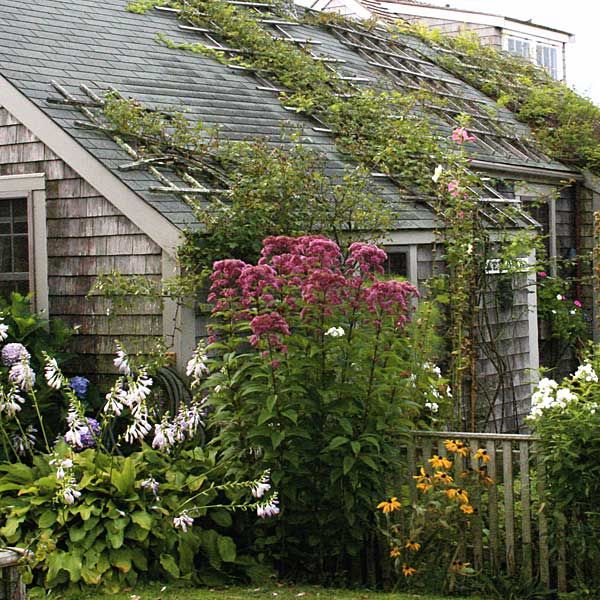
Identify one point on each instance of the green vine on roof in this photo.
(566, 125)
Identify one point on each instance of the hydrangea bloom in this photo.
(79, 385)
(14, 353)
(90, 433)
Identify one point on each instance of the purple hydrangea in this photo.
(79, 385)
(90, 433)
(13, 353)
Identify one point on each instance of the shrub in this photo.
(566, 417)
(309, 377)
(97, 505)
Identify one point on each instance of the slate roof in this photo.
(99, 44)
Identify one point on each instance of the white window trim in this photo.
(33, 189)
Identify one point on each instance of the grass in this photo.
(172, 592)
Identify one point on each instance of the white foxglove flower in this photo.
(183, 521)
(268, 508)
(262, 486)
(121, 361)
(22, 375)
(53, 375)
(70, 495)
(196, 366)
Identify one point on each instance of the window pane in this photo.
(20, 226)
(397, 264)
(21, 248)
(5, 255)
(19, 209)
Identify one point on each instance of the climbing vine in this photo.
(285, 191)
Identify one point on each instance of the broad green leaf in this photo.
(337, 441)
(348, 464)
(47, 518)
(143, 519)
(168, 563)
(227, 549)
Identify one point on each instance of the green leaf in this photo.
(227, 549)
(169, 564)
(115, 538)
(124, 478)
(265, 415)
(221, 517)
(277, 437)
(355, 447)
(143, 519)
(337, 441)
(47, 518)
(348, 464)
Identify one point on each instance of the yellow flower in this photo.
(458, 494)
(408, 571)
(443, 477)
(439, 462)
(414, 546)
(483, 455)
(467, 509)
(457, 447)
(395, 552)
(423, 481)
(388, 506)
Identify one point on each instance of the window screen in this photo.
(14, 247)
(547, 57)
(519, 47)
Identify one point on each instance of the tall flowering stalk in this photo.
(308, 359)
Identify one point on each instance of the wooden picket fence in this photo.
(510, 531)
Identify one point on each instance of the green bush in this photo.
(311, 377)
(566, 417)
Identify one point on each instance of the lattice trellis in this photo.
(402, 64)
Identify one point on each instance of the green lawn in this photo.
(172, 592)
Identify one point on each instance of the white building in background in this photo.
(545, 46)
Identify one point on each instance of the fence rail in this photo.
(510, 531)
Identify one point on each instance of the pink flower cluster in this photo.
(305, 281)
(460, 135)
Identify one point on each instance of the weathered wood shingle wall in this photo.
(87, 236)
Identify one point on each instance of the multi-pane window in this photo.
(519, 47)
(547, 57)
(14, 247)
(396, 264)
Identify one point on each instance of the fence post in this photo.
(493, 508)
(509, 506)
(527, 569)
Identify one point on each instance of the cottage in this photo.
(73, 206)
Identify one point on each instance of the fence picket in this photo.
(493, 509)
(477, 524)
(527, 567)
(543, 523)
(509, 506)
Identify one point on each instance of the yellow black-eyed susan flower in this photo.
(439, 462)
(467, 509)
(395, 552)
(443, 477)
(482, 454)
(388, 506)
(408, 571)
(423, 481)
(413, 546)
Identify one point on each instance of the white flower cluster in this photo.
(268, 508)
(433, 404)
(196, 366)
(335, 332)
(52, 373)
(10, 402)
(131, 392)
(68, 491)
(585, 373)
(183, 521)
(262, 486)
(549, 395)
(77, 425)
(184, 426)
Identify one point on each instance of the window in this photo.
(519, 47)
(14, 247)
(547, 57)
(23, 238)
(396, 264)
